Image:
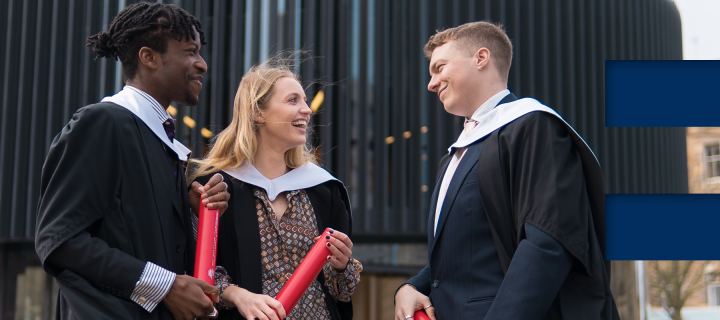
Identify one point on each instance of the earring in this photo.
(480, 68)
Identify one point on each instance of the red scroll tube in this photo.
(305, 273)
(206, 249)
(420, 315)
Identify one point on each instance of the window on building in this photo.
(712, 161)
(713, 293)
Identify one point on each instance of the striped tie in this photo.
(169, 126)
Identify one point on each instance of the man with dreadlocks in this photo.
(115, 226)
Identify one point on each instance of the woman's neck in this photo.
(270, 161)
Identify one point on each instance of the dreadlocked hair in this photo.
(140, 25)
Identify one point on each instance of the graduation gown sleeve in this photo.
(537, 272)
(79, 186)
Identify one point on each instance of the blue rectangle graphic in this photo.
(662, 93)
(662, 226)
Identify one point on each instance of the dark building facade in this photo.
(377, 127)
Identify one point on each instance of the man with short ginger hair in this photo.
(517, 220)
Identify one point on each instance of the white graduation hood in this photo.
(504, 114)
(304, 177)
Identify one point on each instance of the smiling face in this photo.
(283, 123)
(181, 70)
(455, 79)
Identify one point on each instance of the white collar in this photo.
(501, 116)
(487, 107)
(143, 105)
(489, 104)
(304, 177)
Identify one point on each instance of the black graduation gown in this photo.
(526, 176)
(239, 236)
(108, 175)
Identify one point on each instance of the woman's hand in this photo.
(340, 246)
(253, 306)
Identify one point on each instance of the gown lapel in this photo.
(162, 186)
(466, 164)
(433, 203)
(248, 236)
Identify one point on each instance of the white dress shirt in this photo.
(457, 157)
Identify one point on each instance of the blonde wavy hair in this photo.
(239, 141)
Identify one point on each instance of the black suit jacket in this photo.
(109, 203)
(239, 236)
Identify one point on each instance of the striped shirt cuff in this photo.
(195, 222)
(154, 284)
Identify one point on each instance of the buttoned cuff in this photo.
(152, 287)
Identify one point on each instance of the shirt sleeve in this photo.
(195, 223)
(152, 287)
(222, 282)
(342, 284)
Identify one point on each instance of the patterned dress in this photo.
(284, 244)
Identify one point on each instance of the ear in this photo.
(149, 58)
(482, 58)
(258, 118)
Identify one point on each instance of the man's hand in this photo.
(214, 194)
(186, 298)
(408, 300)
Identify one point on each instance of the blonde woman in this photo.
(281, 200)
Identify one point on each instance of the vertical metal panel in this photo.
(360, 101)
(560, 49)
(216, 64)
(414, 168)
(16, 218)
(8, 111)
(35, 128)
(380, 131)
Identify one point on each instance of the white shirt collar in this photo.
(304, 177)
(486, 107)
(148, 110)
(162, 114)
(489, 104)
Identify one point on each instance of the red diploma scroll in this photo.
(305, 273)
(206, 249)
(420, 315)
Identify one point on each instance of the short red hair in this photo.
(473, 36)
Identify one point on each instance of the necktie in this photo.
(469, 125)
(169, 126)
(454, 162)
